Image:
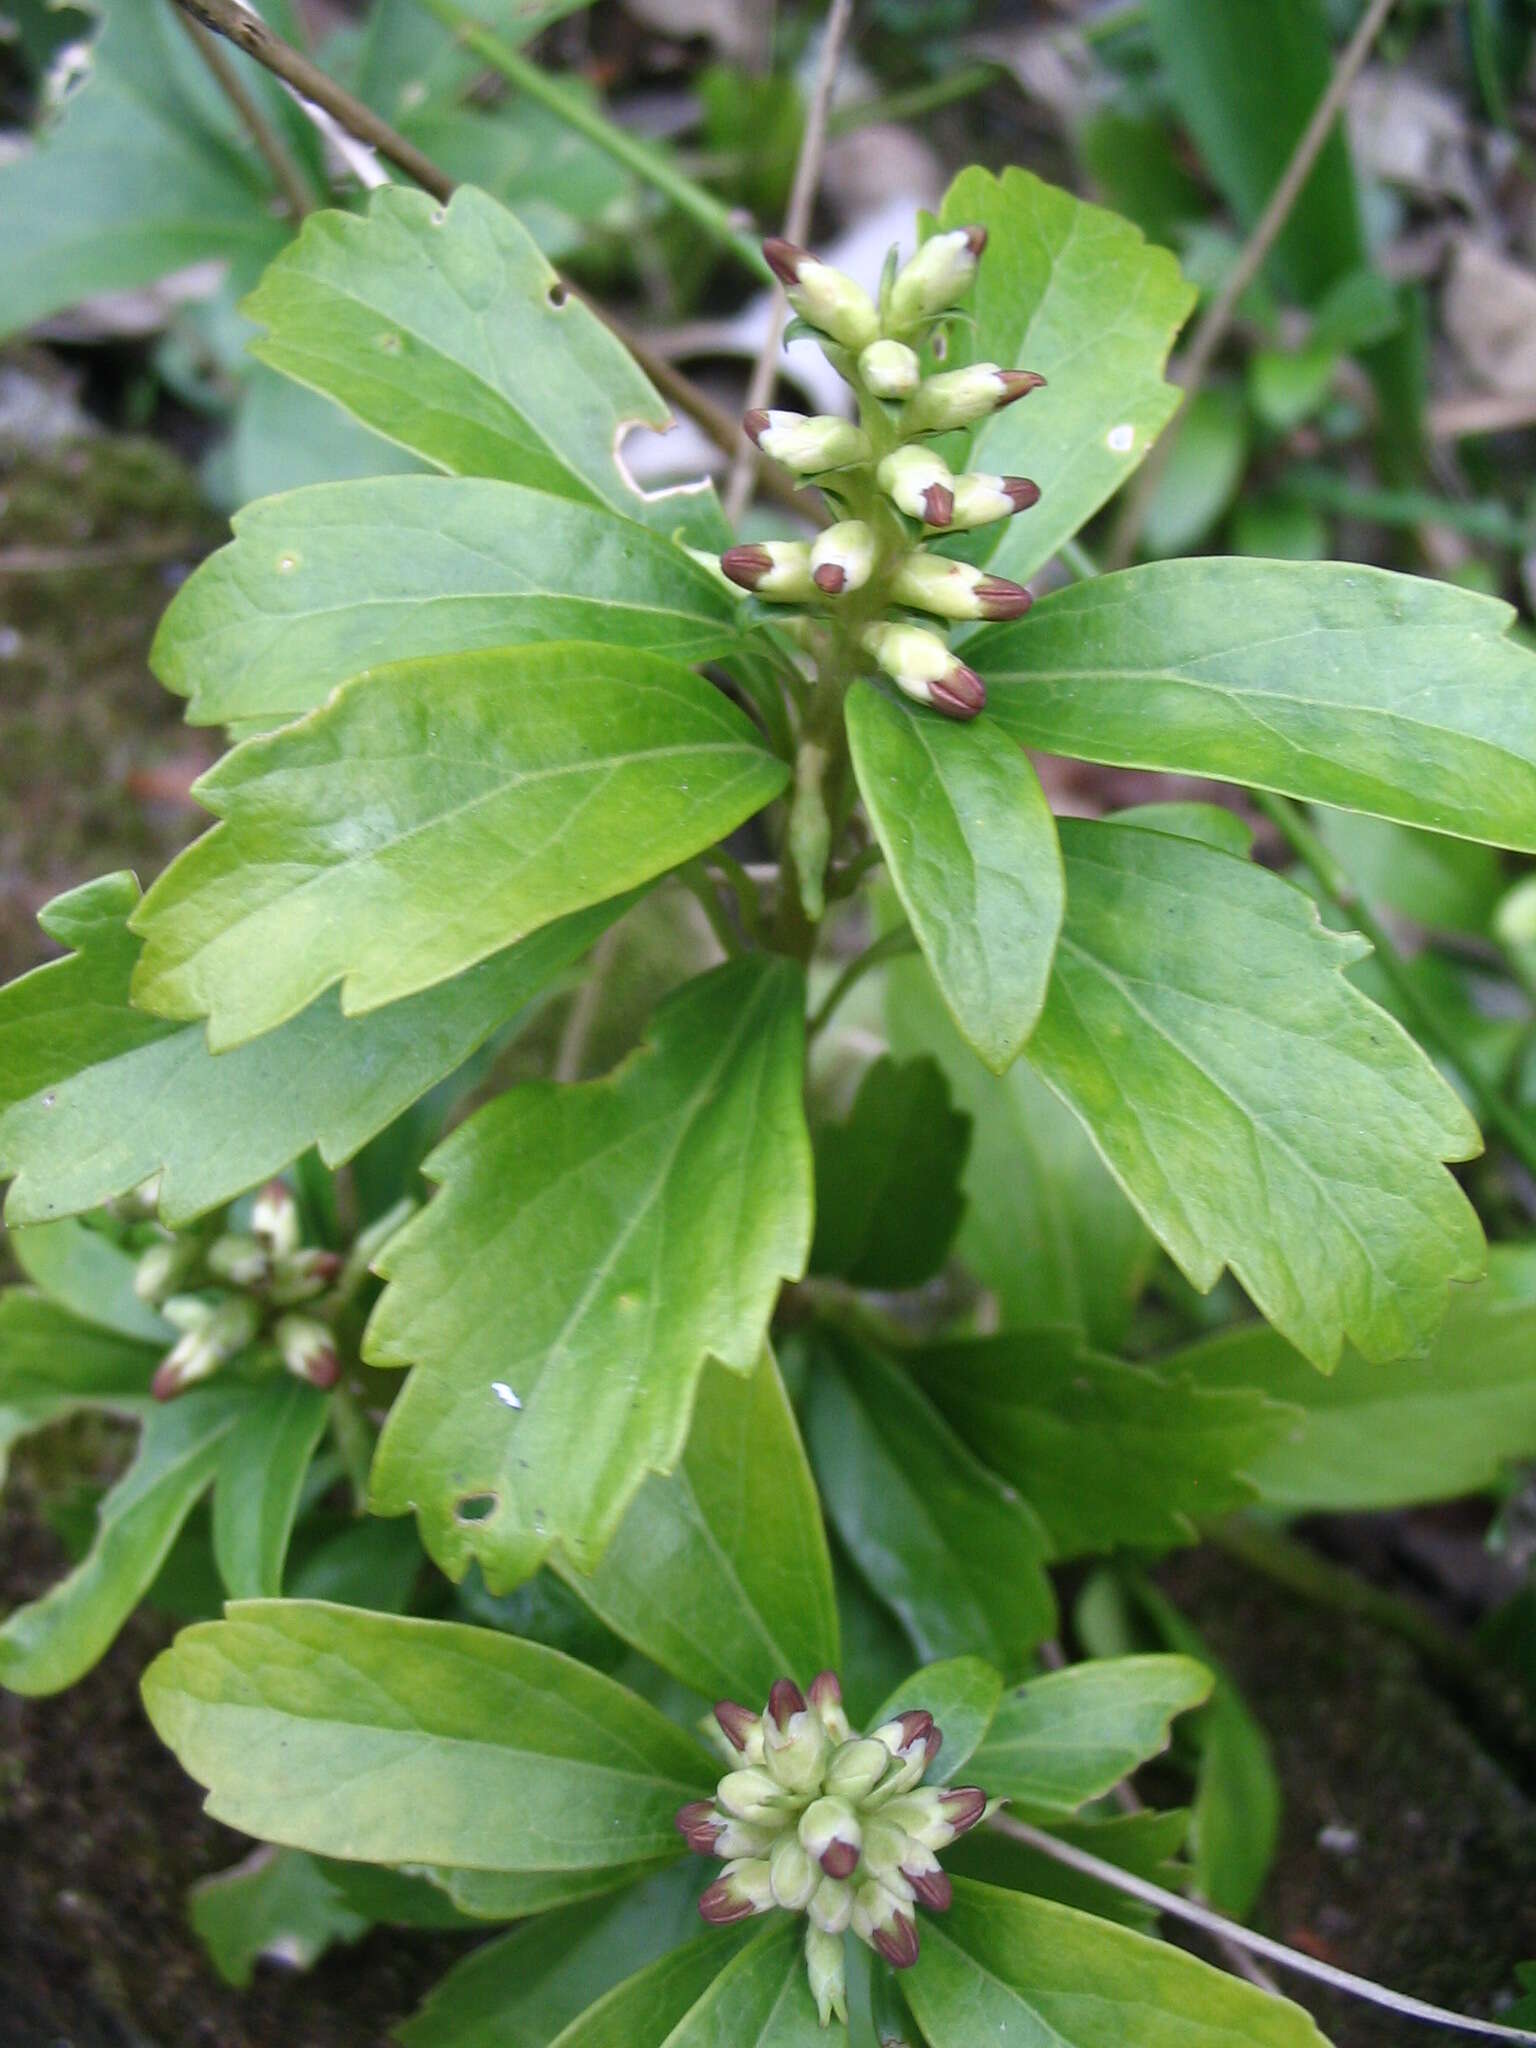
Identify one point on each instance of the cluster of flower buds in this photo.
(896, 491)
(227, 1291)
(815, 1819)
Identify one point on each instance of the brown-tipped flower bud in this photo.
(958, 398)
(200, 1351)
(308, 1349)
(826, 1697)
(920, 665)
(843, 557)
(785, 1700)
(776, 569)
(792, 1875)
(919, 483)
(939, 274)
(831, 1833)
(822, 295)
(936, 1815)
(956, 590)
(699, 1825)
(811, 444)
(890, 369)
(930, 1885)
(741, 1889)
(301, 1275)
(885, 1922)
(979, 499)
(741, 1728)
(825, 1968)
(275, 1217)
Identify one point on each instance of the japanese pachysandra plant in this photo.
(492, 1182)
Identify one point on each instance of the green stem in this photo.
(648, 163)
(1340, 888)
(890, 946)
(701, 887)
(1382, 507)
(749, 902)
(917, 99)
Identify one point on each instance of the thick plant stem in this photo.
(1341, 890)
(1216, 1924)
(647, 163)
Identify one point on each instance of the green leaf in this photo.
(278, 1903)
(48, 1644)
(141, 173)
(261, 1473)
(87, 1272)
(1001, 1966)
(515, 1894)
(888, 1198)
(1210, 824)
(1256, 1107)
(1073, 1735)
(1073, 292)
(1104, 1452)
(1235, 1826)
(940, 1538)
(704, 1996)
(53, 1363)
(1203, 472)
(520, 1991)
(443, 328)
(213, 1125)
(388, 1740)
(719, 1572)
(1246, 118)
(1421, 1429)
(323, 583)
(972, 851)
(1340, 684)
(69, 1013)
(640, 1223)
(1046, 1227)
(432, 813)
(1451, 885)
(962, 1696)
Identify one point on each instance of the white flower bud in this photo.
(825, 1968)
(830, 1832)
(920, 664)
(890, 369)
(843, 557)
(242, 1261)
(958, 398)
(939, 274)
(752, 1795)
(979, 499)
(857, 1768)
(161, 1266)
(831, 1906)
(776, 569)
(822, 295)
(808, 445)
(792, 1874)
(308, 1349)
(920, 484)
(741, 1889)
(956, 590)
(275, 1217)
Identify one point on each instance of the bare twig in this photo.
(1217, 1925)
(797, 222)
(1211, 329)
(270, 146)
(248, 32)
